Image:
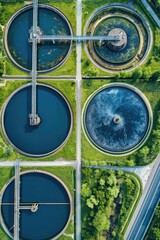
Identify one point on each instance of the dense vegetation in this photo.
(107, 200)
(156, 5)
(153, 147)
(154, 230)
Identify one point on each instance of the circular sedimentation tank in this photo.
(55, 121)
(50, 54)
(117, 119)
(45, 206)
(135, 38)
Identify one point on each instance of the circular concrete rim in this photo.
(23, 9)
(145, 24)
(3, 127)
(150, 122)
(123, 64)
(49, 174)
(123, 42)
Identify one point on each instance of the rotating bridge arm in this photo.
(34, 119)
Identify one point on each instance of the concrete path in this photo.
(148, 174)
(56, 163)
(44, 77)
(3, 83)
(78, 95)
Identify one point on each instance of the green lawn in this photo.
(89, 6)
(68, 7)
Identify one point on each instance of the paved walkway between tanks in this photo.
(40, 77)
(78, 140)
(142, 172)
(56, 163)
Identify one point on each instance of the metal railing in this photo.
(35, 38)
(33, 33)
(79, 38)
(16, 199)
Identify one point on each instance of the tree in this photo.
(86, 192)
(113, 191)
(1, 68)
(101, 222)
(158, 4)
(119, 236)
(100, 195)
(111, 180)
(87, 63)
(154, 233)
(147, 72)
(156, 76)
(93, 72)
(87, 172)
(137, 74)
(157, 213)
(113, 234)
(102, 182)
(8, 150)
(92, 201)
(143, 153)
(123, 74)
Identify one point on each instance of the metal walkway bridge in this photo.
(79, 38)
(16, 199)
(33, 32)
(35, 38)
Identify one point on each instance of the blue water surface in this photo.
(114, 102)
(49, 54)
(49, 219)
(55, 125)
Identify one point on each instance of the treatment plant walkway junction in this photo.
(143, 211)
(35, 38)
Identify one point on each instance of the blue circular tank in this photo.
(117, 118)
(50, 54)
(53, 202)
(55, 121)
